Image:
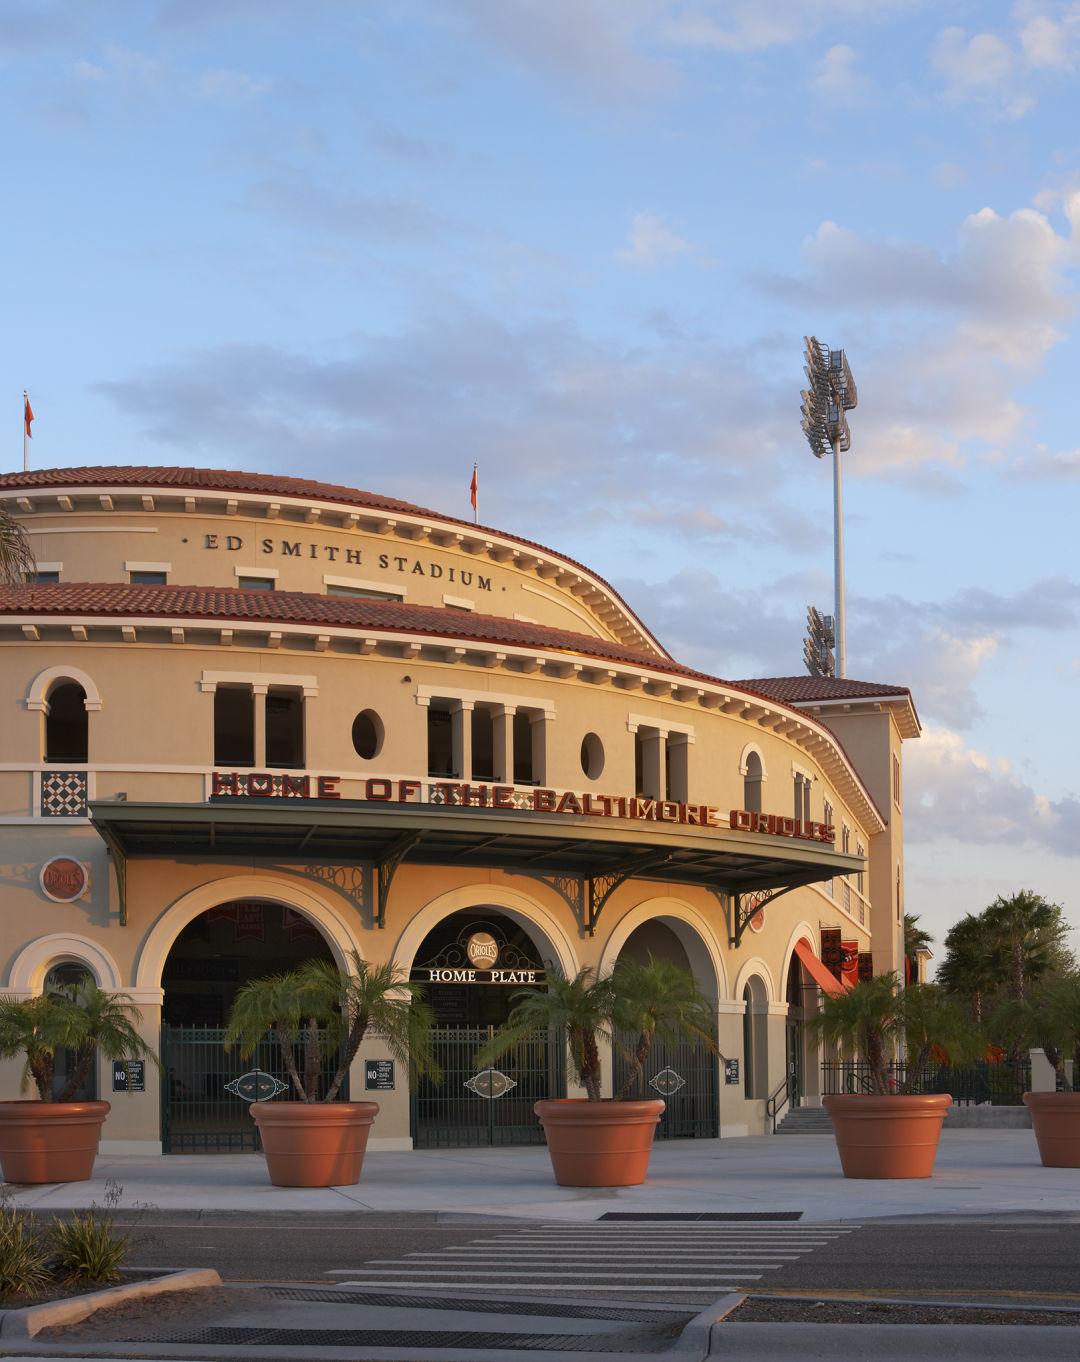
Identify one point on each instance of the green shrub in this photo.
(24, 1261)
(91, 1247)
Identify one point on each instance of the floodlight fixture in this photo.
(831, 394)
(818, 644)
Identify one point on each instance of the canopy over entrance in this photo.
(386, 835)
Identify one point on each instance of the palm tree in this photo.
(581, 1008)
(975, 963)
(320, 1004)
(1031, 932)
(16, 559)
(659, 1001)
(79, 1017)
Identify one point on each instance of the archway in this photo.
(471, 963)
(684, 1072)
(211, 958)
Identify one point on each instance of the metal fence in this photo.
(687, 1078)
(494, 1106)
(198, 1113)
(1001, 1084)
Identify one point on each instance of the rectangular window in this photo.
(483, 745)
(368, 593)
(524, 763)
(896, 780)
(148, 578)
(43, 577)
(255, 583)
(234, 726)
(802, 797)
(440, 733)
(284, 729)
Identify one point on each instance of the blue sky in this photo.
(579, 242)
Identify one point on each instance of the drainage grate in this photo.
(701, 1215)
(510, 1305)
(418, 1338)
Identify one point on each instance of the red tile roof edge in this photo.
(229, 480)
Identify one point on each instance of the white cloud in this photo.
(949, 175)
(752, 25)
(1001, 72)
(836, 77)
(956, 792)
(230, 85)
(651, 241)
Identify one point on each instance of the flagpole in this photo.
(26, 404)
(472, 491)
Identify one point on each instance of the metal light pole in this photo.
(831, 393)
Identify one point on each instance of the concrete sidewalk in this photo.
(978, 1172)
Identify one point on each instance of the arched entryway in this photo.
(213, 956)
(686, 1073)
(471, 963)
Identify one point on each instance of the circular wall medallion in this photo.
(482, 950)
(757, 922)
(63, 880)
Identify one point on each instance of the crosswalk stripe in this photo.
(597, 1287)
(575, 1275)
(688, 1260)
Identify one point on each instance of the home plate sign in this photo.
(256, 1086)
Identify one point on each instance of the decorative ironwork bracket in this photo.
(601, 887)
(119, 859)
(386, 868)
(754, 903)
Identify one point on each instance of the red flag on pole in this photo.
(472, 488)
(28, 416)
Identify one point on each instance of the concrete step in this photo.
(805, 1121)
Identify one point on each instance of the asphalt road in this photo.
(1021, 1260)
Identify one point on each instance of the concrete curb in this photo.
(31, 1319)
(697, 1337)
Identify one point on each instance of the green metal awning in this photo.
(601, 852)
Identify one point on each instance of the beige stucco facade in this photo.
(470, 725)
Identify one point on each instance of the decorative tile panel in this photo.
(63, 794)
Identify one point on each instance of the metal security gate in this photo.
(686, 1076)
(198, 1113)
(471, 1106)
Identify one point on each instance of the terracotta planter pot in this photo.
(1055, 1119)
(599, 1144)
(318, 1144)
(50, 1141)
(887, 1137)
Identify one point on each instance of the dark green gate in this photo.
(693, 1106)
(494, 1106)
(198, 1113)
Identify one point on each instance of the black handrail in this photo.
(775, 1103)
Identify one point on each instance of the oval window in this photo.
(367, 734)
(592, 756)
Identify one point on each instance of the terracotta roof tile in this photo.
(149, 476)
(205, 603)
(796, 689)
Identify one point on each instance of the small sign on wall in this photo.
(379, 1075)
(731, 1071)
(129, 1076)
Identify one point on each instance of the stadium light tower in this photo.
(831, 393)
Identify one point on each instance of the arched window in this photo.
(66, 726)
(755, 1040)
(752, 783)
(70, 974)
